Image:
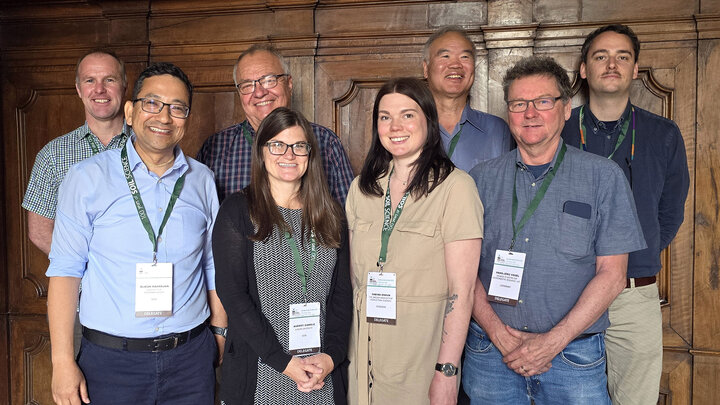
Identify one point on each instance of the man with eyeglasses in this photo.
(134, 227)
(559, 224)
(264, 83)
(650, 150)
(468, 136)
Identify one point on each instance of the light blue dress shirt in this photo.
(98, 237)
(484, 136)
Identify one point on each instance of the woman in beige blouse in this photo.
(407, 350)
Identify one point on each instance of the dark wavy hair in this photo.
(432, 166)
(617, 28)
(320, 211)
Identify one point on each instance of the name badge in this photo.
(153, 289)
(506, 277)
(304, 328)
(381, 298)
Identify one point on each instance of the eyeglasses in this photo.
(153, 106)
(279, 148)
(267, 82)
(540, 104)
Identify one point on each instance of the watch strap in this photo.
(218, 330)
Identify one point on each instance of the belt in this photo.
(159, 344)
(640, 281)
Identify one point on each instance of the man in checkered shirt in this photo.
(264, 83)
(100, 82)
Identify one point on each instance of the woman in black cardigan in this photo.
(282, 273)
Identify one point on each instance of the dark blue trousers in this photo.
(181, 376)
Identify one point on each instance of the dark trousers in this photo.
(181, 376)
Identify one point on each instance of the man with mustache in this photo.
(469, 136)
(651, 152)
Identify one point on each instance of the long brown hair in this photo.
(432, 167)
(320, 211)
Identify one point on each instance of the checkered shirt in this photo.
(53, 162)
(227, 153)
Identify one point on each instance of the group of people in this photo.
(453, 257)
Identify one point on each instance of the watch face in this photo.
(448, 369)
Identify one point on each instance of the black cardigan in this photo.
(250, 335)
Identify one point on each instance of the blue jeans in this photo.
(181, 376)
(577, 375)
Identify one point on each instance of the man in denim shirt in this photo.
(651, 152)
(559, 224)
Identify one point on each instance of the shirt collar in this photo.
(84, 131)
(594, 122)
(519, 163)
(465, 116)
(180, 165)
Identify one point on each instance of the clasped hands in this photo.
(528, 354)
(309, 372)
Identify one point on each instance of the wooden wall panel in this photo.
(340, 52)
(31, 370)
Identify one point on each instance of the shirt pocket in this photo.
(575, 235)
(419, 243)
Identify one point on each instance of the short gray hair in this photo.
(446, 30)
(260, 48)
(539, 65)
(102, 51)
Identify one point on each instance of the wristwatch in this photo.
(218, 331)
(448, 369)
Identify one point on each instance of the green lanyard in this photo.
(454, 141)
(536, 200)
(388, 223)
(93, 144)
(621, 137)
(141, 207)
(298, 262)
(246, 133)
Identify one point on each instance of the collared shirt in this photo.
(53, 162)
(561, 247)
(98, 236)
(484, 136)
(227, 153)
(658, 175)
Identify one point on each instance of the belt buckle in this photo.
(158, 342)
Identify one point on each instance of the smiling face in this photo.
(533, 129)
(401, 126)
(450, 68)
(286, 168)
(157, 134)
(611, 65)
(99, 83)
(261, 102)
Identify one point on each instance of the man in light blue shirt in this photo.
(468, 136)
(133, 225)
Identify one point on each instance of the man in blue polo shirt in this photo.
(133, 226)
(559, 224)
(468, 136)
(650, 151)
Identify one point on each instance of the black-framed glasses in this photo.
(540, 104)
(279, 148)
(267, 82)
(153, 106)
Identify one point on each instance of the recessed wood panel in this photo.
(31, 369)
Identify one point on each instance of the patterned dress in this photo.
(279, 286)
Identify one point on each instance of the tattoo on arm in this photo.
(449, 306)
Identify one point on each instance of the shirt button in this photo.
(157, 329)
(368, 338)
(525, 327)
(533, 184)
(160, 181)
(159, 239)
(527, 239)
(520, 301)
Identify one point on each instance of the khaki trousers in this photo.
(634, 346)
